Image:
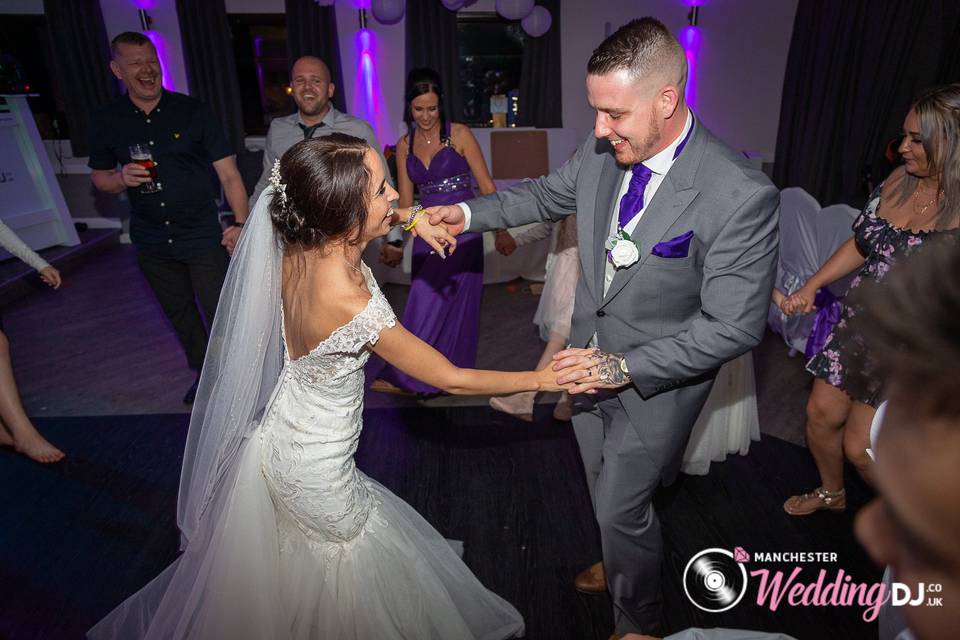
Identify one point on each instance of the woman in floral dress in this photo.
(919, 201)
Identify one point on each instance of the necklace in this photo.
(920, 210)
(351, 266)
(425, 138)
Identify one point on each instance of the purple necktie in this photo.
(632, 200)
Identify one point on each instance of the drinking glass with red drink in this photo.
(140, 153)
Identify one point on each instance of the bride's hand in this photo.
(436, 236)
(547, 378)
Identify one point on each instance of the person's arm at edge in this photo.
(233, 188)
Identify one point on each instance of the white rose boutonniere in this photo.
(622, 251)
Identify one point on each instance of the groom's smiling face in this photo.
(628, 115)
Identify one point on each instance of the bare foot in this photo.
(564, 409)
(519, 405)
(34, 446)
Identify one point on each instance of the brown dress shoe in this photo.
(593, 579)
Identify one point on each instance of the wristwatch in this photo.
(237, 224)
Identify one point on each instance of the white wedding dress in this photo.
(306, 545)
(728, 422)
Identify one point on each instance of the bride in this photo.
(282, 536)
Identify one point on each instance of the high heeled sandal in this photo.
(818, 500)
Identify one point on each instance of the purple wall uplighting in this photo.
(367, 100)
(691, 39)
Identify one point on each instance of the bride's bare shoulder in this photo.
(339, 303)
(315, 312)
(349, 303)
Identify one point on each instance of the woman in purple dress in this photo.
(443, 308)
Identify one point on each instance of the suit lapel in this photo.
(675, 194)
(611, 177)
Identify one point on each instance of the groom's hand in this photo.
(449, 215)
(592, 369)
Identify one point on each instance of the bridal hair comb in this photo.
(278, 186)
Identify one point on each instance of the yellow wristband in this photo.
(413, 223)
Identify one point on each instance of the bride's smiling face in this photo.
(380, 198)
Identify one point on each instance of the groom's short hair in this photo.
(644, 47)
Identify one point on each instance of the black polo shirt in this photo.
(185, 138)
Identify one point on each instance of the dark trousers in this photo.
(180, 284)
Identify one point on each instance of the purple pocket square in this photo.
(675, 247)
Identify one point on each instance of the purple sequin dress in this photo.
(443, 308)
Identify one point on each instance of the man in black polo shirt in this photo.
(181, 247)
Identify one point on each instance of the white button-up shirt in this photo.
(659, 165)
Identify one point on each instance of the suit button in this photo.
(601, 313)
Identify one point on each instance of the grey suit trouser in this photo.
(622, 479)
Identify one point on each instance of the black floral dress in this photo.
(844, 362)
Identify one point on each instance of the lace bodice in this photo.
(343, 352)
(312, 427)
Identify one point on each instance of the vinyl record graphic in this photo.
(714, 581)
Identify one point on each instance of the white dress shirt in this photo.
(658, 165)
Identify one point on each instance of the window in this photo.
(260, 49)
(491, 55)
(25, 61)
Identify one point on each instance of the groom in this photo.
(693, 228)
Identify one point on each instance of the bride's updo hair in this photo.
(327, 186)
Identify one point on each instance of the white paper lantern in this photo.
(388, 11)
(453, 5)
(514, 9)
(538, 22)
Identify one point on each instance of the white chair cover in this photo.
(808, 237)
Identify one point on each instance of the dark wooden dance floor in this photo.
(80, 536)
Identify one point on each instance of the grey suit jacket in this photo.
(675, 319)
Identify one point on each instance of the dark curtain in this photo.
(81, 56)
(312, 31)
(211, 69)
(431, 34)
(539, 103)
(853, 69)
